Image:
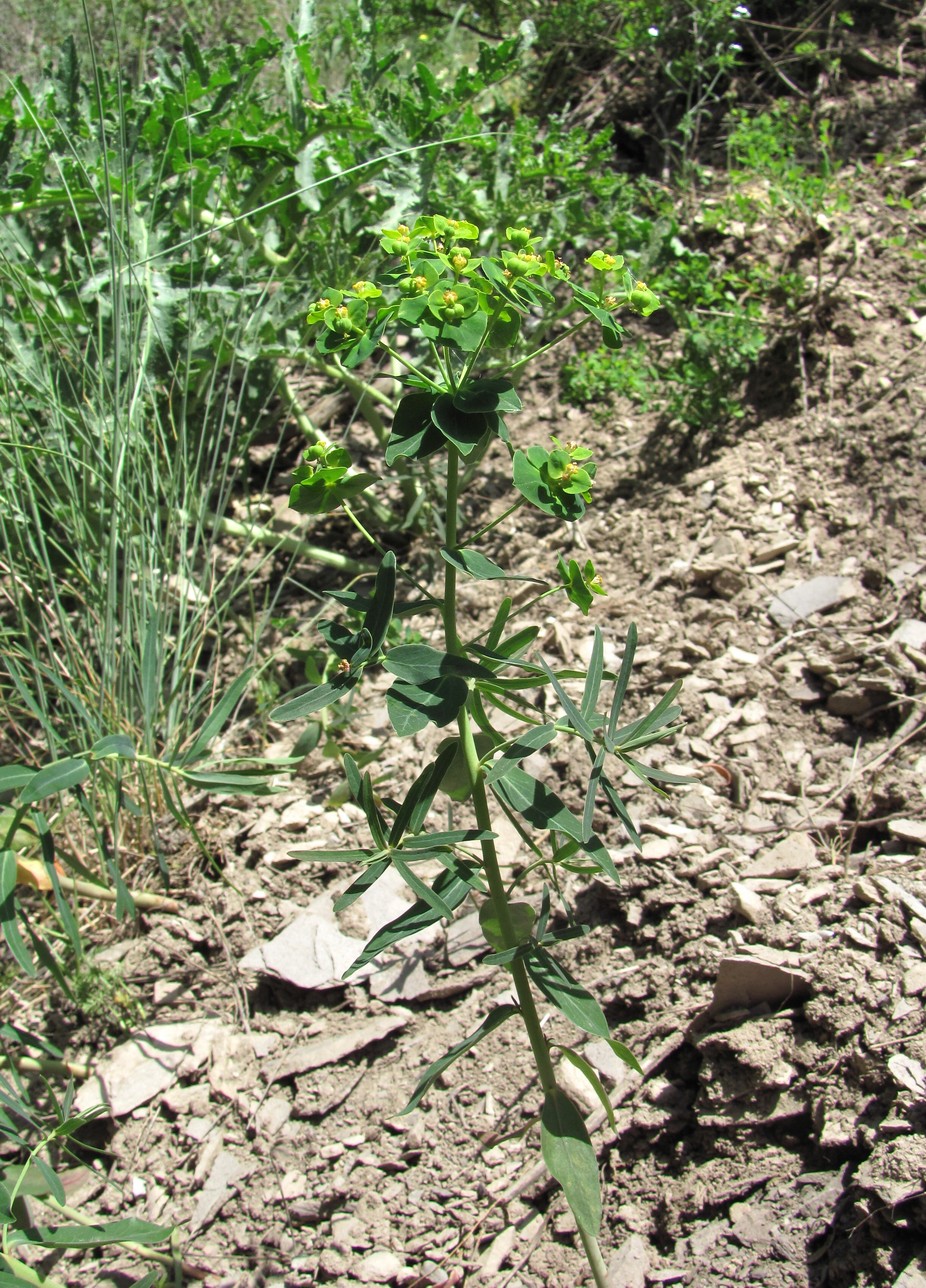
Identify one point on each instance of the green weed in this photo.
(439, 307)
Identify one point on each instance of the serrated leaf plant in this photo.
(451, 318)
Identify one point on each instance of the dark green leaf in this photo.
(621, 811)
(451, 887)
(623, 679)
(591, 790)
(496, 394)
(506, 652)
(9, 924)
(542, 807)
(419, 663)
(421, 888)
(464, 429)
(625, 1054)
(353, 775)
(319, 696)
(591, 1077)
(92, 1236)
(571, 1159)
(417, 804)
(431, 840)
(248, 784)
(491, 1022)
(367, 878)
(566, 993)
(594, 677)
(215, 721)
(380, 613)
(529, 742)
(12, 777)
(7, 874)
(654, 776)
(412, 706)
(333, 856)
(478, 566)
(499, 623)
(375, 820)
(521, 916)
(151, 1280)
(570, 710)
(118, 745)
(56, 777)
(413, 431)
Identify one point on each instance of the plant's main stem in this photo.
(490, 864)
(493, 876)
(449, 610)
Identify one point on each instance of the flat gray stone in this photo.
(809, 597)
(909, 630)
(908, 829)
(379, 1268)
(913, 1277)
(795, 854)
(630, 1265)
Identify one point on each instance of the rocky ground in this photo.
(764, 956)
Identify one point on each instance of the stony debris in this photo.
(789, 607)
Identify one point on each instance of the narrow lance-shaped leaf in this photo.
(92, 1236)
(565, 992)
(591, 1077)
(318, 697)
(623, 679)
(497, 629)
(591, 790)
(572, 712)
(570, 1157)
(543, 808)
(451, 887)
(620, 809)
(374, 818)
(417, 804)
(594, 677)
(531, 741)
(215, 721)
(368, 877)
(491, 1022)
(381, 610)
(639, 733)
(421, 888)
(56, 777)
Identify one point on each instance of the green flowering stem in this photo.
(551, 344)
(595, 1259)
(381, 550)
(449, 610)
(495, 522)
(496, 884)
(526, 1004)
(410, 366)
